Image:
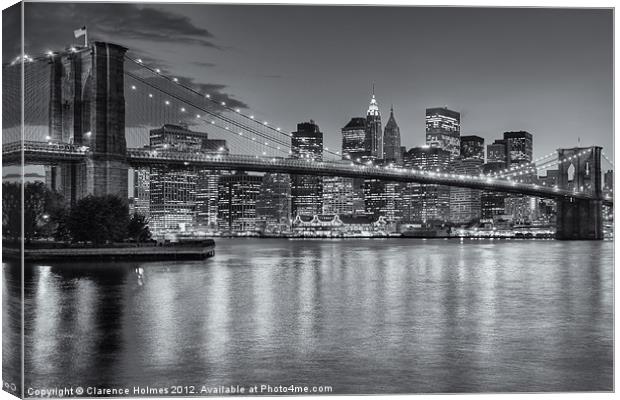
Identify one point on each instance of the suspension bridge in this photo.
(88, 112)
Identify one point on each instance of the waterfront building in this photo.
(472, 147)
(443, 127)
(142, 192)
(354, 142)
(306, 190)
(273, 204)
(381, 200)
(207, 199)
(181, 200)
(237, 195)
(429, 202)
(492, 205)
(374, 134)
(333, 225)
(342, 195)
(391, 141)
(464, 202)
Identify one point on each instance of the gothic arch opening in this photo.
(571, 172)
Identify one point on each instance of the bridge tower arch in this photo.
(87, 107)
(580, 219)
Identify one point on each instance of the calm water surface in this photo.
(364, 316)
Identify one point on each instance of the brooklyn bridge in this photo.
(86, 111)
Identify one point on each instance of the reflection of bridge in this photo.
(86, 143)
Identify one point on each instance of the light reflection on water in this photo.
(365, 316)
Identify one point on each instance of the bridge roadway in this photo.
(41, 152)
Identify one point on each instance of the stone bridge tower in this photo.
(580, 219)
(87, 107)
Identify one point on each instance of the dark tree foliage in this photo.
(40, 206)
(138, 228)
(11, 210)
(99, 219)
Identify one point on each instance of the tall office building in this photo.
(306, 190)
(354, 145)
(496, 153)
(428, 202)
(142, 192)
(472, 146)
(273, 204)
(465, 202)
(443, 129)
(237, 195)
(391, 141)
(381, 200)
(519, 147)
(343, 196)
(374, 134)
(182, 199)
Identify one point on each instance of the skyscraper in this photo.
(343, 196)
(426, 203)
(306, 190)
(443, 129)
(273, 204)
(237, 196)
(182, 199)
(374, 134)
(391, 141)
(354, 146)
(496, 153)
(464, 202)
(519, 147)
(142, 192)
(472, 146)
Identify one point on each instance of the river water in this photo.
(361, 316)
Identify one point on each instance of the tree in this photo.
(138, 228)
(99, 219)
(39, 205)
(11, 210)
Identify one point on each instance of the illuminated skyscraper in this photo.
(443, 130)
(519, 147)
(391, 141)
(472, 146)
(354, 145)
(237, 195)
(465, 202)
(182, 199)
(426, 203)
(142, 191)
(306, 190)
(273, 205)
(374, 134)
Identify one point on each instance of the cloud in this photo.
(204, 64)
(50, 25)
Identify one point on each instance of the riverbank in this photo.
(189, 250)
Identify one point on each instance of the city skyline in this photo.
(557, 84)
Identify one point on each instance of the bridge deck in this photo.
(39, 152)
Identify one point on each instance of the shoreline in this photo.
(117, 252)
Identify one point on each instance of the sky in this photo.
(546, 71)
